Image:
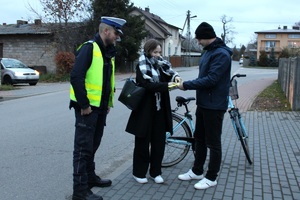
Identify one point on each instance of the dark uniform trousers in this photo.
(88, 134)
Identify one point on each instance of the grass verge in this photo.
(51, 78)
(7, 87)
(46, 78)
(271, 99)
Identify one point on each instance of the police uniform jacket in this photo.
(83, 61)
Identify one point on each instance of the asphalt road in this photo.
(37, 132)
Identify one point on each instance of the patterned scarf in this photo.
(151, 66)
(150, 70)
(146, 66)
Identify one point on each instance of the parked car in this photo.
(14, 71)
(241, 61)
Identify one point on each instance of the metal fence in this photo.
(289, 79)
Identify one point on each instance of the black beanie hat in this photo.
(205, 31)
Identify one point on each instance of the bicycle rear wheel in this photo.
(175, 149)
(243, 138)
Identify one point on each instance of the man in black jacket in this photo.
(212, 88)
(91, 94)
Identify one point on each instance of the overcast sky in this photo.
(247, 17)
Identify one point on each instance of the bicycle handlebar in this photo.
(238, 76)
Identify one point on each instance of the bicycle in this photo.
(236, 118)
(179, 144)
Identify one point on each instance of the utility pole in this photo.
(189, 35)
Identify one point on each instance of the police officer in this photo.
(92, 93)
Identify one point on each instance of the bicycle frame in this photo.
(187, 117)
(236, 118)
(179, 144)
(182, 140)
(233, 112)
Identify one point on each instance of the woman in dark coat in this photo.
(152, 119)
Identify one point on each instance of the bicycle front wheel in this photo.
(243, 138)
(175, 149)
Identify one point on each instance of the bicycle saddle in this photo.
(181, 99)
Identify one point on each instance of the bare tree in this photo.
(63, 10)
(60, 17)
(227, 35)
(253, 39)
(37, 13)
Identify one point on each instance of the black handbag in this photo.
(131, 94)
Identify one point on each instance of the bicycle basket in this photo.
(233, 91)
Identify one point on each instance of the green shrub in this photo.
(285, 53)
(263, 59)
(272, 61)
(252, 60)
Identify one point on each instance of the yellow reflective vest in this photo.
(94, 79)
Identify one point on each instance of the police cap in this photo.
(116, 23)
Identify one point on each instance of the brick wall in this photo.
(33, 50)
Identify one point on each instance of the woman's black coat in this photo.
(141, 118)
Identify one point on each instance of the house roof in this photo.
(156, 20)
(281, 30)
(194, 47)
(36, 28)
(251, 48)
(24, 29)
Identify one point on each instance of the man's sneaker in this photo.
(204, 184)
(189, 176)
(140, 180)
(158, 179)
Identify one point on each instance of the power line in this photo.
(246, 22)
(172, 6)
(169, 6)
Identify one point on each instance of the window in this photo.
(269, 45)
(294, 36)
(270, 36)
(293, 44)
